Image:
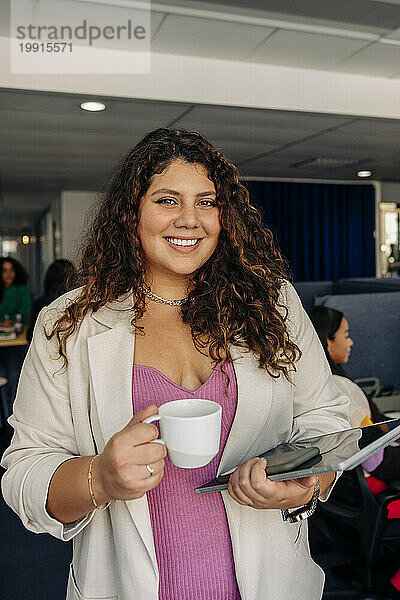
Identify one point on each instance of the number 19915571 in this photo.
(45, 46)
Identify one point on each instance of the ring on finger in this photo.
(150, 470)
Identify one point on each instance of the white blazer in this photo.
(74, 413)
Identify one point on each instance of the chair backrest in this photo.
(350, 513)
(309, 290)
(374, 321)
(354, 521)
(366, 285)
(32, 567)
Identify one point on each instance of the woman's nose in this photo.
(351, 343)
(187, 217)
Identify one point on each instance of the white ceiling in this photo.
(357, 36)
(49, 144)
(361, 36)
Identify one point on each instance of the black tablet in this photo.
(337, 451)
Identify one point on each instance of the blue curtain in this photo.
(326, 231)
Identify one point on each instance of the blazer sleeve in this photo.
(319, 406)
(43, 438)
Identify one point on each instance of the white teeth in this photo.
(179, 242)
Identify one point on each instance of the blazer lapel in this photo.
(111, 360)
(253, 407)
(111, 355)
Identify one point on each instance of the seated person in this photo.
(14, 294)
(14, 300)
(333, 331)
(56, 282)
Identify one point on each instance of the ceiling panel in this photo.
(237, 151)
(378, 59)
(264, 125)
(52, 145)
(298, 49)
(206, 37)
(42, 107)
(373, 142)
(358, 12)
(286, 162)
(270, 166)
(394, 35)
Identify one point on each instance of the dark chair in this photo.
(355, 523)
(32, 567)
(3, 402)
(366, 285)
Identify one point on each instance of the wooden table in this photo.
(18, 341)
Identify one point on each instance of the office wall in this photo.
(390, 192)
(74, 208)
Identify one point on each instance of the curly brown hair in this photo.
(233, 297)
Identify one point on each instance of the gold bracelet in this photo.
(97, 507)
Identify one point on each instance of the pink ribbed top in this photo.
(191, 535)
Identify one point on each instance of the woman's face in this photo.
(178, 220)
(340, 347)
(8, 273)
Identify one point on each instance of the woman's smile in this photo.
(183, 244)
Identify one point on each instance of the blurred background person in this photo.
(57, 280)
(334, 332)
(15, 306)
(14, 294)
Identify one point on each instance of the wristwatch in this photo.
(299, 514)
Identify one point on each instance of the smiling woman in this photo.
(179, 220)
(183, 295)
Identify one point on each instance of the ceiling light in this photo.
(93, 106)
(364, 174)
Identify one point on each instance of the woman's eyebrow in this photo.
(176, 193)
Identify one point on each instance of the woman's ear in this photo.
(329, 345)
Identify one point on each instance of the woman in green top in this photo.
(14, 299)
(14, 294)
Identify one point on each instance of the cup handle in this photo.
(150, 420)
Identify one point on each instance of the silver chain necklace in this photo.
(156, 298)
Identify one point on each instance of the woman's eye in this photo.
(165, 201)
(208, 203)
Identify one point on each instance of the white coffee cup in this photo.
(191, 431)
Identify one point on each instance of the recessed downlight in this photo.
(93, 106)
(364, 174)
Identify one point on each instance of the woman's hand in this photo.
(250, 486)
(120, 471)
